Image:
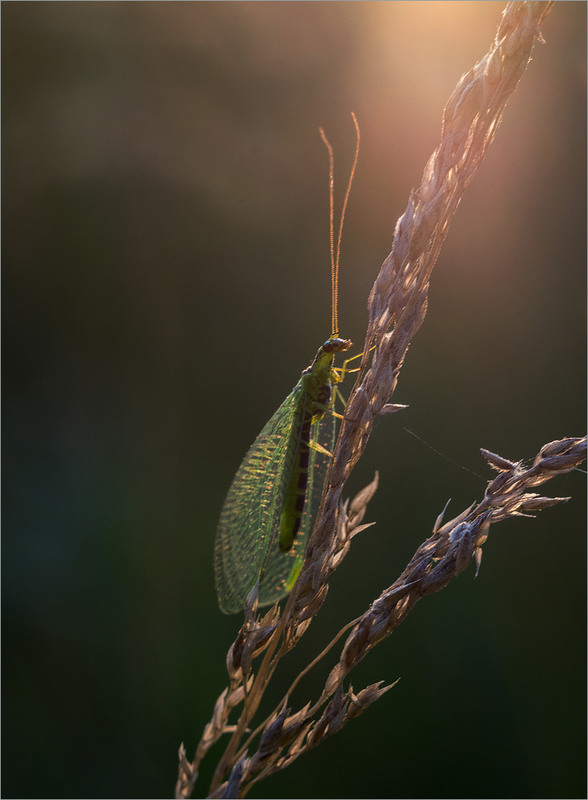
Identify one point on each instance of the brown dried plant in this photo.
(397, 306)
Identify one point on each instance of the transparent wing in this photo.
(250, 518)
(282, 568)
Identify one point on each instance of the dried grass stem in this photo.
(397, 306)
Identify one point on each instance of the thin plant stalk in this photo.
(397, 307)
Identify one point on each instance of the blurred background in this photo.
(165, 281)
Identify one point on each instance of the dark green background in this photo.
(165, 280)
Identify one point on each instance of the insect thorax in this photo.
(323, 361)
(319, 376)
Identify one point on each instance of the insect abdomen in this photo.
(296, 491)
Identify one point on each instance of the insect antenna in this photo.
(335, 256)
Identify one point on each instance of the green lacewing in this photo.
(270, 508)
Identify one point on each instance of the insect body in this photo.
(271, 505)
(315, 398)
